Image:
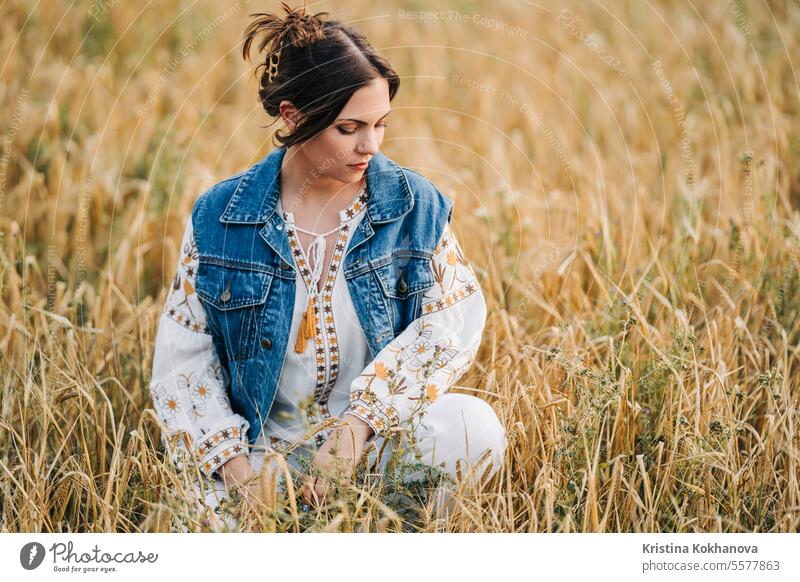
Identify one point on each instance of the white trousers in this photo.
(458, 433)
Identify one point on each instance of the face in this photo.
(355, 136)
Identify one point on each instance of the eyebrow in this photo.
(361, 122)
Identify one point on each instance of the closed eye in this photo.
(352, 131)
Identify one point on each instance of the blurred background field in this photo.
(626, 178)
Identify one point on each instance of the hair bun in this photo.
(297, 29)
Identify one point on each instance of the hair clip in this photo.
(274, 59)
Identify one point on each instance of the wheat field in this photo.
(626, 178)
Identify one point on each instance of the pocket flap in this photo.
(405, 275)
(228, 287)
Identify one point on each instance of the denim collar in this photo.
(256, 195)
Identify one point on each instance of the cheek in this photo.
(335, 151)
(321, 153)
(336, 146)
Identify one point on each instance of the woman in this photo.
(321, 284)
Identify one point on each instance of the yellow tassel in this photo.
(308, 327)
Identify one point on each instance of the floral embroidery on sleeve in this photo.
(189, 385)
(182, 304)
(454, 278)
(425, 359)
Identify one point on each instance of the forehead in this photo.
(370, 101)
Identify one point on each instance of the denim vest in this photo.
(246, 273)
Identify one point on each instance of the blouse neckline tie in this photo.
(315, 253)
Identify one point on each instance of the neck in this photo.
(302, 184)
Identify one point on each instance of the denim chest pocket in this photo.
(403, 278)
(234, 296)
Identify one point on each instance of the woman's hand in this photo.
(235, 470)
(237, 473)
(343, 448)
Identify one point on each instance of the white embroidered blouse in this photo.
(333, 375)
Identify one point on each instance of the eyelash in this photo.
(345, 132)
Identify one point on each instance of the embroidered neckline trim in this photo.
(356, 206)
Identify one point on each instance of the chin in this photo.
(348, 175)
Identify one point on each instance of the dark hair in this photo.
(315, 64)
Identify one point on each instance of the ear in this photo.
(290, 114)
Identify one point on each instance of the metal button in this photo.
(266, 343)
(285, 265)
(225, 296)
(402, 286)
(279, 226)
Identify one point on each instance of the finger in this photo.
(314, 497)
(307, 497)
(319, 489)
(311, 496)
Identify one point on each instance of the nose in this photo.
(370, 146)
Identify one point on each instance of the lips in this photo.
(360, 166)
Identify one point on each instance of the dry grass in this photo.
(633, 197)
